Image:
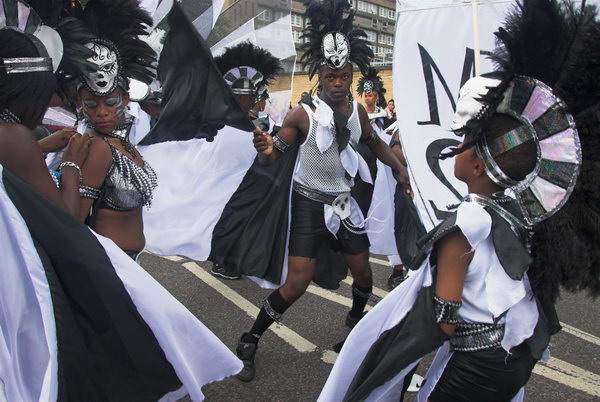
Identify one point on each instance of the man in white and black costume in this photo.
(80, 319)
(315, 156)
(486, 279)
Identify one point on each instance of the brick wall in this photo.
(302, 84)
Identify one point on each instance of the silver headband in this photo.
(18, 65)
(243, 80)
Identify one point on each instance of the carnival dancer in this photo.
(81, 320)
(486, 278)
(248, 70)
(117, 182)
(381, 196)
(205, 169)
(323, 214)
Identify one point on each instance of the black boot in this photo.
(246, 351)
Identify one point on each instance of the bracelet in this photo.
(446, 311)
(73, 165)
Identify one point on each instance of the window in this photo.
(386, 39)
(388, 50)
(371, 8)
(362, 5)
(375, 22)
(383, 12)
(265, 14)
(371, 35)
(279, 15)
(297, 21)
(391, 14)
(296, 35)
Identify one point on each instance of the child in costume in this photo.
(487, 277)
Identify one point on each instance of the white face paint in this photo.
(335, 50)
(104, 80)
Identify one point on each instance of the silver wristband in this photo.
(446, 311)
(280, 144)
(74, 165)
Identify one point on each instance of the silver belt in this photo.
(474, 337)
(314, 194)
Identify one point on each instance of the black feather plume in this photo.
(122, 22)
(325, 16)
(247, 54)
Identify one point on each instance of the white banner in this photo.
(434, 55)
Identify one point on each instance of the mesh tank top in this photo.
(323, 171)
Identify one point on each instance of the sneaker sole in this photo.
(225, 276)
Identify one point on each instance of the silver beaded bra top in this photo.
(127, 185)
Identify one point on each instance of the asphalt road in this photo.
(293, 364)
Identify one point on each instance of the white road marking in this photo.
(331, 296)
(174, 258)
(570, 375)
(329, 357)
(580, 334)
(296, 341)
(379, 262)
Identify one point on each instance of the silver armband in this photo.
(446, 311)
(88, 192)
(280, 144)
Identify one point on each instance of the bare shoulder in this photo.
(296, 116)
(99, 154)
(16, 141)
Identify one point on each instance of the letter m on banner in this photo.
(433, 57)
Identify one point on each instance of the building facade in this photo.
(376, 17)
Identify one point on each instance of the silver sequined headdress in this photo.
(372, 82)
(330, 39)
(119, 55)
(248, 69)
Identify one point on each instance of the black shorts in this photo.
(308, 231)
(489, 375)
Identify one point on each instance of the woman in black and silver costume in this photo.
(117, 182)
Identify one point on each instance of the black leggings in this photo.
(489, 375)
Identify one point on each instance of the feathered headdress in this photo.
(372, 82)
(332, 40)
(548, 79)
(119, 52)
(248, 69)
(62, 39)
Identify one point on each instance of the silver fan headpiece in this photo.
(545, 121)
